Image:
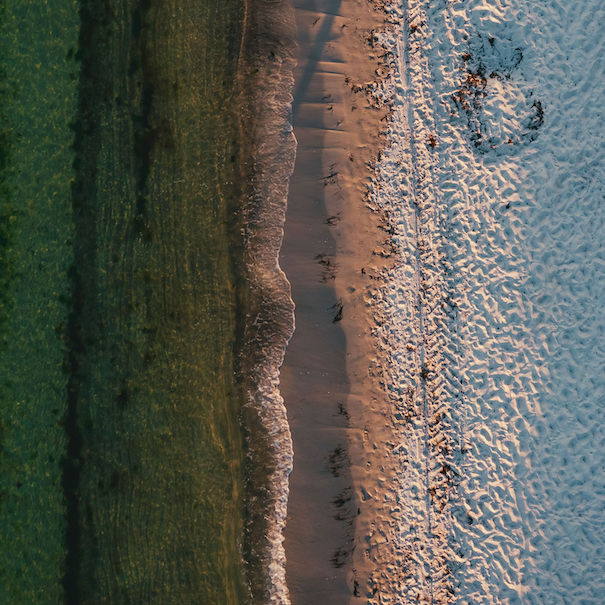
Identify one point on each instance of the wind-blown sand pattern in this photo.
(485, 484)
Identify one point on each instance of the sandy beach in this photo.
(443, 381)
(301, 302)
(327, 255)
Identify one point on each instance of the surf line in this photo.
(266, 68)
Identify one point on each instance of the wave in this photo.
(268, 59)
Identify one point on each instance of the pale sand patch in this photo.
(329, 253)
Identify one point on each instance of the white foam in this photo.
(267, 334)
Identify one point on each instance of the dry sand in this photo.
(328, 254)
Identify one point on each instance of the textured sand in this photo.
(487, 320)
(471, 309)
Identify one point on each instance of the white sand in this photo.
(480, 475)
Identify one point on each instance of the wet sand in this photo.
(329, 238)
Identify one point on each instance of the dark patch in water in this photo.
(7, 213)
(145, 136)
(94, 94)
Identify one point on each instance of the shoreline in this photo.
(266, 309)
(430, 432)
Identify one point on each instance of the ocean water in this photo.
(38, 101)
(123, 293)
(153, 334)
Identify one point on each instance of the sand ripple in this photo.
(487, 320)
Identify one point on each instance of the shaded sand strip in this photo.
(329, 237)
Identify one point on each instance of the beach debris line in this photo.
(332, 177)
(337, 460)
(333, 220)
(493, 95)
(343, 411)
(345, 511)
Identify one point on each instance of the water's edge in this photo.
(267, 320)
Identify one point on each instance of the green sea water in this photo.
(121, 460)
(38, 101)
